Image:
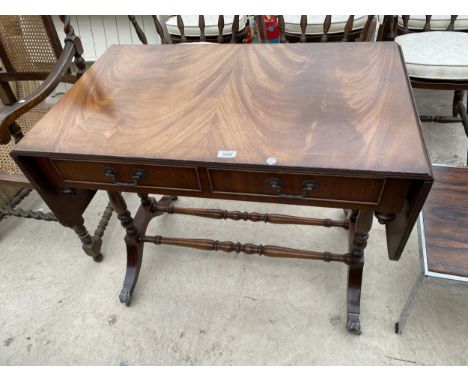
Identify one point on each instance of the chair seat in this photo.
(191, 28)
(27, 121)
(416, 22)
(445, 223)
(436, 55)
(315, 24)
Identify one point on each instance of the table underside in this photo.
(357, 223)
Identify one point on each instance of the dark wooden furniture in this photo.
(303, 127)
(310, 28)
(31, 51)
(443, 233)
(185, 29)
(436, 59)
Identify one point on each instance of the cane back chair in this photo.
(30, 51)
(436, 58)
(184, 29)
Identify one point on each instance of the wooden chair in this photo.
(417, 23)
(30, 50)
(443, 234)
(308, 28)
(437, 58)
(184, 29)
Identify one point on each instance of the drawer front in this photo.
(127, 175)
(297, 186)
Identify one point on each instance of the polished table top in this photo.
(321, 106)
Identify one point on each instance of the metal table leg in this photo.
(409, 303)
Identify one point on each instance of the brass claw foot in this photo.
(125, 296)
(353, 325)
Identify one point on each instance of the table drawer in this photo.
(297, 186)
(127, 175)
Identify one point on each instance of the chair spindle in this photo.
(303, 25)
(235, 29)
(391, 27)
(427, 24)
(405, 24)
(70, 36)
(365, 31)
(348, 28)
(260, 22)
(451, 26)
(67, 27)
(326, 28)
(138, 30)
(160, 30)
(281, 27)
(201, 25)
(180, 25)
(220, 28)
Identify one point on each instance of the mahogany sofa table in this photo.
(330, 125)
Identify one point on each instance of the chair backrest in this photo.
(351, 31)
(393, 26)
(201, 28)
(28, 44)
(232, 29)
(30, 51)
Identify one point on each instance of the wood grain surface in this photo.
(446, 222)
(321, 106)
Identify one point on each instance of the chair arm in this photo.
(9, 114)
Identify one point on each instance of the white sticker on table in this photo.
(227, 153)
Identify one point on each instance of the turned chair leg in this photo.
(90, 246)
(14, 201)
(358, 235)
(11, 209)
(101, 228)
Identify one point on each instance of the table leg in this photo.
(409, 303)
(360, 225)
(91, 245)
(135, 228)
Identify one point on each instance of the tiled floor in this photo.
(195, 307)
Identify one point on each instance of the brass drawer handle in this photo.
(307, 185)
(112, 173)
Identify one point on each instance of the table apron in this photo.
(312, 188)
